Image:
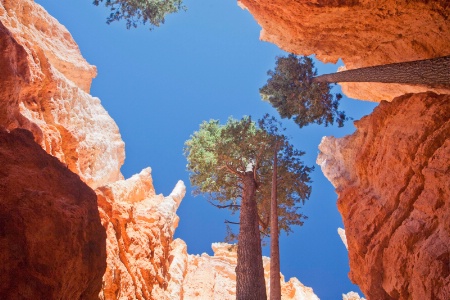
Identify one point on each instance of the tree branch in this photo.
(224, 206)
(229, 222)
(232, 170)
(263, 224)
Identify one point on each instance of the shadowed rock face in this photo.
(392, 178)
(360, 32)
(52, 243)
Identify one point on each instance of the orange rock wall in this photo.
(360, 32)
(140, 227)
(392, 178)
(44, 88)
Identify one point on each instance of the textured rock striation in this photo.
(214, 277)
(140, 227)
(52, 243)
(44, 86)
(360, 32)
(352, 296)
(392, 178)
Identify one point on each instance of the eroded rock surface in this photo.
(392, 178)
(52, 243)
(352, 296)
(140, 227)
(360, 32)
(44, 86)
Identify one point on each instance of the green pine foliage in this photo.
(141, 11)
(292, 92)
(219, 155)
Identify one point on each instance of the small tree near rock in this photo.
(292, 91)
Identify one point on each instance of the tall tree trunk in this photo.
(434, 73)
(250, 284)
(275, 286)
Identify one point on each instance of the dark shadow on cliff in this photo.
(52, 242)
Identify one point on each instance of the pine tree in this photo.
(232, 165)
(291, 90)
(275, 285)
(141, 11)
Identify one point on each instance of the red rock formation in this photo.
(360, 32)
(52, 244)
(44, 88)
(392, 178)
(140, 227)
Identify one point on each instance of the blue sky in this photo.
(206, 63)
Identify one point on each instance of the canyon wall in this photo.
(360, 32)
(392, 178)
(44, 88)
(51, 225)
(140, 227)
(391, 175)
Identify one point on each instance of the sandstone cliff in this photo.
(360, 32)
(52, 243)
(44, 86)
(140, 227)
(392, 178)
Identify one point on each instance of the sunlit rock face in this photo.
(140, 227)
(360, 32)
(52, 243)
(341, 233)
(214, 277)
(352, 296)
(44, 84)
(392, 178)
